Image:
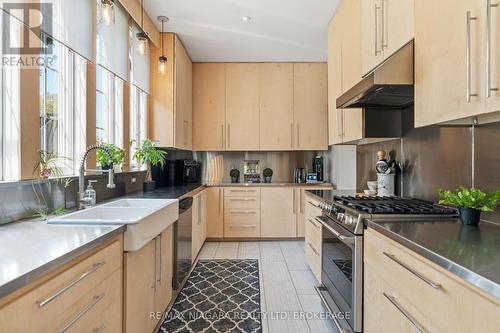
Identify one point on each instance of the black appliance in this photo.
(187, 172)
(319, 168)
(343, 222)
(182, 243)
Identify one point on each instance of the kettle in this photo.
(299, 175)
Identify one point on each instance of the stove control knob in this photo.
(340, 216)
(350, 220)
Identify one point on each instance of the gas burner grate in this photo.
(393, 205)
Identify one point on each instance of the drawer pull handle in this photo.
(94, 268)
(312, 248)
(314, 224)
(242, 191)
(405, 313)
(243, 212)
(80, 314)
(242, 226)
(243, 199)
(99, 329)
(431, 283)
(314, 205)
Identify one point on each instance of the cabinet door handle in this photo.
(61, 291)
(222, 136)
(431, 283)
(384, 40)
(377, 8)
(469, 18)
(228, 135)
(293, 202)
(291, 135)
(405, 313)
(161, 258)
(313, 249)
(82, 312)
(220, 200)
(301, 206)
(489, 6)
(298, 135)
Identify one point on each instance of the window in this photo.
(138, 121)
(109, 107)
(63, 84)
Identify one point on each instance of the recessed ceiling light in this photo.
(246, 18)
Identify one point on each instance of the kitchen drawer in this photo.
(313, 232)
(241, 230)
(242, 203)
(241, 192)
(434, 293)
(313, 258)
(380, 312)
(242, 216)
(311, 207)
(108, 322)
(42, 306)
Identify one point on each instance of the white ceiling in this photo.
(280, 30)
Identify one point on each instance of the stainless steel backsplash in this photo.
(282, 163)
(440, 157)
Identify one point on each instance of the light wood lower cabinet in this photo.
(199, 228)
(73, 299)
(148, 283)
(242, 213)
(215, 212)
(407, 292)
(304, 204)
(313, 236)
(278, 212)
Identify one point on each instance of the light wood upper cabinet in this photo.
(242, 107)
(310, 106)
(387, 26)
(278, 212)
(183, 97)
(334, 80)
(171, 99)
(209, 106)
(463, 63)
(215, 212)
(276, 106)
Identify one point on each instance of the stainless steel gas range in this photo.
(343, 222)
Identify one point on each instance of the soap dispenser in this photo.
(90, 196)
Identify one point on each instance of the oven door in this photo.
(342, 272)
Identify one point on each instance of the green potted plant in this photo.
(235, 175)
(470, 203)
(148, 154)
(48, 165)
(116, 152)
(268, 175)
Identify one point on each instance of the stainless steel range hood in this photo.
(388, 86)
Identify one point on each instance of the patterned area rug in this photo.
(219, 296)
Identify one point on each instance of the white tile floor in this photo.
(287, 284)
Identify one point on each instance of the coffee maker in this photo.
(319, 168)
(187, 172)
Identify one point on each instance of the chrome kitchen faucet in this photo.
(81, 176)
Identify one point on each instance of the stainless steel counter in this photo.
(268, 185)
(30, 250)
(472, 253)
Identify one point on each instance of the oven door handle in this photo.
(349, 240)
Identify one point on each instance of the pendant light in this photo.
(107, 12)
(142, 37)
(162, 61)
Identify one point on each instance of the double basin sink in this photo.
(144, 218)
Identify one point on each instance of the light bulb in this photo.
(162, 65)
(143, 43)
(108, 12)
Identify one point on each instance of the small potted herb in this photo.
(148, 154)
(268, 175)
(117, 154)
(470, 203)
(235, 175)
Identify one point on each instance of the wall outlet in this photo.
(133, 180)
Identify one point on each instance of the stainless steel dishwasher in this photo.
(182, 243)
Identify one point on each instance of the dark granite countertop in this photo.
(167, 192)
(472, 253)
